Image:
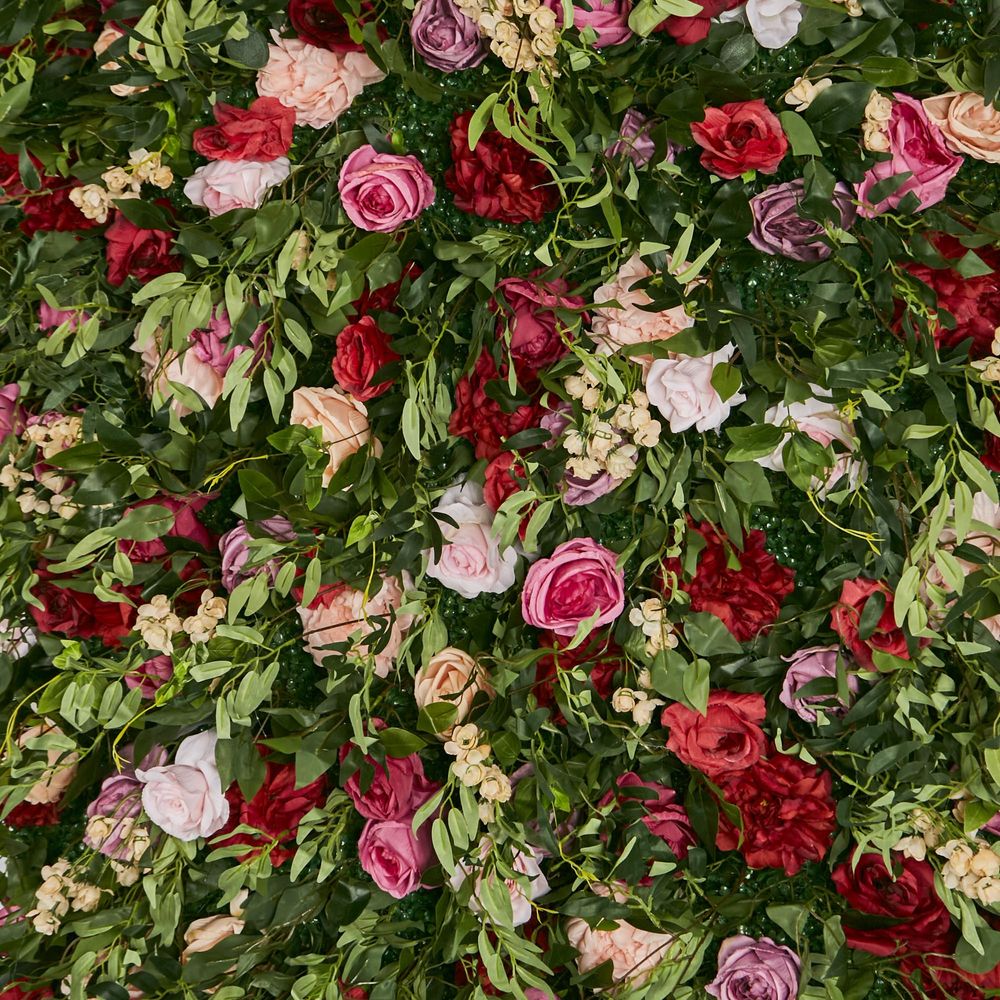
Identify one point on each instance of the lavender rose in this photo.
(235, 551)
(381, 191)
(758, 968)
(808, 665)
(444, 37)
(779, 229)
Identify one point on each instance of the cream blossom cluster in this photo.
(522, 33)
(637, 701)
(651, 617)
(201, 626)
(989, 368)
(144, 167)
(853, 7)
(59, 435)
(972, 868)
(30, 500)
(928, 835)
(58, 893)
(875, 129)
(471, 766)
(804, 92)
(157, 624)
(133, 836)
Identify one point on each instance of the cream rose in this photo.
(206, 932)
(969, 126)
(56, 778)
(342, 418)
(453, 677)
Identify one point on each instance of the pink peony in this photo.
(224, 185)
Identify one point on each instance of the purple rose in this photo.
(444, 37)
(808, 665)
(579, 492)
(393, 856)
(236, 552)
(150, 676)
(755, 970)
(381, 191)
(608, 18)
(634, 140)
(779, 229)
(917, 147)
(10, 412)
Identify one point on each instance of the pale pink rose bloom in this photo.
(224, 185)
(342, 419)
(531, 885)
(681, 389)
(104, 41)
(969, 126)
(453, 678)
(317, 84)
(340, 612)
(634, 954)
(470, 562)
(614, 327)
(160, 368)
(186, 799)
(205, 933)
(61, 768)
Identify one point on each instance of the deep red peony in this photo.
(922, 923)
(499, 179)
(385, 297)
(726, 739)
(482, 420)
(741, 136)
(936, 977)
(26, 814)
(50, 210)
(600, 655)
(78, 614)
(276, 811)
(788, 812)
(689, 30)
(318, 22)
(747, 600)
(143, 253)
(500, 482)
(845, 620)
(261, 132)
(363, 349)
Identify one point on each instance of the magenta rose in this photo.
(10, 411)
(579, 581)
(918, 147)
(396, 791)
(444, 37)
(538, 337)
(608, 18)
(150, 676)
(381, 191)
(394, 856)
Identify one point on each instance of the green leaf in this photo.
(753, 442)
(707, 635)
(399, 742)
(726, 380)
(800, 135)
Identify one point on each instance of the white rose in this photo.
(681, 389)
(531, 885)
(774, 23)
(185, 799)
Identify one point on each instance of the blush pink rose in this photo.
(161, 367)
(608, 18)
(681, 389)
(578, 581)
(969, 126)
(224, 185)
(916, 146)
(394, 856)
(317, 84)
(381, 191)
(342, 419)
(60, 772)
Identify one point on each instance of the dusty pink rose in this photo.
(381, 191)
(341, 614)
(317, 84)
(579, 581)
(10, 413)
(916, 146)
(396, 791)
(235, 550)
(454, 678)
(394, 856)
(224, 185)
(342, 419)
(968, 125)
(49, 318)
(150, 676)
(808, 665)
(608, 18)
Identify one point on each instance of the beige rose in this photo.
(454, 677)
(206, 932)
(61, 770)
(969, 126)
(343, 420)
(105, 40)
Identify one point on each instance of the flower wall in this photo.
(498, 498)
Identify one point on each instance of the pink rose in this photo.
(319, 85)
(185, 527)
(579, 581)
(342, 419)
(185, 799)
(10, 413)
(808, 665)
(224, 185)
(665, 817)
(49, 318)
(394, 856)
(609, 18)
(968, 125)
(681, 389)
(538, 337)
(916, 146)
(397, 790)
(381, 191)
(150, 676)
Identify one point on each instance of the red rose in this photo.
(384, 298)
(920, 920)
(602, 654)
(261, 132)
(788, 813)
(78, 614)
(394, 791)
(538, 338)
(747, 600)
(727, 738)
(936, 977)
(186, 527)
(14, 991)
(318, 22)
(482, 420)
(741, 136)
(688, 30)
(845, 620)
(275, 811)
(10, 176)
(50, 210)
(991, 456)
(499, 179)
(362, 351)
(144, 253)
(500, 482)
(973, 302)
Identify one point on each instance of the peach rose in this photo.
(969, 126)
(454, 677)
(206, 932)
(317, 84)
(105, 40)
(342, 418)
(56, 778)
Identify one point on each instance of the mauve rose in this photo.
(225, 185)
(10, 412)
(235, 551)
(394, 856)
(579, 492)
(968, 125)
(634, 141)
(779, 229)
(342, 419)
(681, 389)
(397, 790)
(150, 676)
(578, 581)
(755, 969)
(609, 18)
(381, 191)
(444, 37)
(917, 147)
(538, 337)
(808, 665)
(993, 825)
